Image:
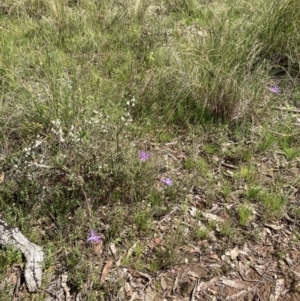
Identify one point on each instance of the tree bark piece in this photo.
(33, 254)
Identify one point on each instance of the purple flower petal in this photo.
(167, 181)
(275, 89)
(144, 156)
(93, 238)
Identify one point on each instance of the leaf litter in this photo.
(251, 270)
(260, 262)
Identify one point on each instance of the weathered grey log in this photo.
(33, 254)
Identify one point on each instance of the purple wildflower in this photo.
(275, 89)
(167, 181)
(144, 156)
(93, 238)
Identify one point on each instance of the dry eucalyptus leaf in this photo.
(234, 253)
(175, 285)
(296, 273)
(192, 211)
(128, 289)
(163, 283)
(106, 269)
(149, 295)
(203, 286)
(97, 247)
(212, 217)
(113, 249)
(234, 284)
(275, 227)
(158, 241)
(193, 274)
(238, 295)
(130, 251)
(278, 288)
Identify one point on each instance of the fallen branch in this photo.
(33, 254)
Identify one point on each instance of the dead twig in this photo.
(192, 295)
(262, 277)
(165, 217)
(245, 279)
(285, 135)
(262, 274)
(228, 165)
(292, 110)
